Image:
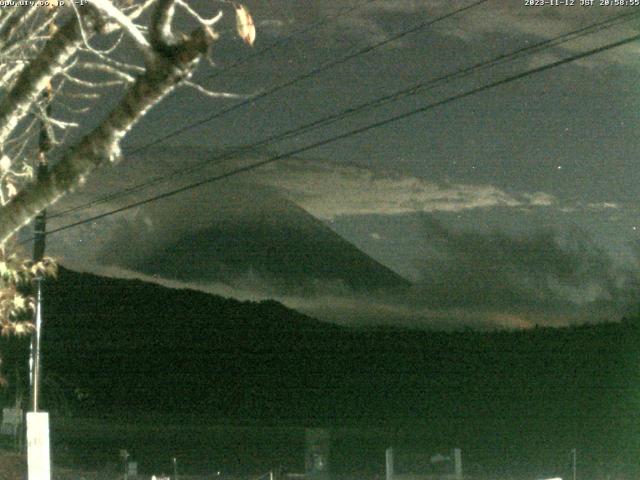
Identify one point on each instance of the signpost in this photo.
(38, 455)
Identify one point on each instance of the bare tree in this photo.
(61, 53)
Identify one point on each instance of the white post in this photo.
(457, 455)
(574, 462)
(389, 463)
(38, 455)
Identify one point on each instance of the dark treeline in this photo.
(507, 398)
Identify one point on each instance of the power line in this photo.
(351, 133)
(312, 73)
(412, 90)
(295, 80)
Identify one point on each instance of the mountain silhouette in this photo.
(247, 236)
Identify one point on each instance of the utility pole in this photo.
(38, 453)
(39, 234)
(574, 463)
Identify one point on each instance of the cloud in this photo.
(375, 21)
(604, 206)
(328, 190)
(547, 273)
(468, 277)
(342, 307)
(539, 199)
(491, 281)
(481, 280)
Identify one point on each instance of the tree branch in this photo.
(161, 35)
(36, 76)
(168, 67)
(129, 27)
(13, 21)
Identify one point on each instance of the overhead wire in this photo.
(351, 132)
(332, 118)
(284, 40)
(315, 71)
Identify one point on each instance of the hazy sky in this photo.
(513, 206)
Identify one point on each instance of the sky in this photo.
(512, 207)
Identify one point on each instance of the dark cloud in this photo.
(468, 275)
(370, 22)
(546, 273)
